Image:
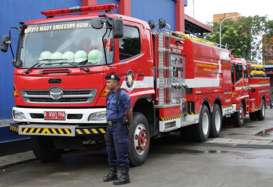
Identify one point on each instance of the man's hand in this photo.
(130, 116)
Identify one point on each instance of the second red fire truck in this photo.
(173, 81)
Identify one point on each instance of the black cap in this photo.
(112, 76)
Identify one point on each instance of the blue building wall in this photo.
(154, 9)
(151, 9)
(14, 11)
(11, 13)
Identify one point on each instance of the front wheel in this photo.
(44, 149)
(261, 112)
(139, 136)
(239, 117)
(201, 130)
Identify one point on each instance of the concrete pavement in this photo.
(237, 158)
(247, 136)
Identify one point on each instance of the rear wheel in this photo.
(239, 117)
(253, 116)
(261, 112)
(216, 121)
(44, 149)
(201, 130)
(139, 140)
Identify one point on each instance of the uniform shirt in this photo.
(115, 112)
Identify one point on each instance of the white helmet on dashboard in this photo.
(45, 55)
(94, 56)
(80, 56)
(57, 55)
(68, 56)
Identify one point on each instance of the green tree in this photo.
(243, 36)
(269, 27)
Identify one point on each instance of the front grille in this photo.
(37, 92)
(62, 100)
(68, 96)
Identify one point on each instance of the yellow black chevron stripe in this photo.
(168, 118)
(13, 129)
(89, 131)
(58, 131)
(46, 131)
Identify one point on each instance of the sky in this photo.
(204, 9)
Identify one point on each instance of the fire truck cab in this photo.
(259, 94)
(59, 79)
(240, 95)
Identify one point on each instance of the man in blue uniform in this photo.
(117, 141)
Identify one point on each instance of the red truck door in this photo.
(240, 91)
(135, 63)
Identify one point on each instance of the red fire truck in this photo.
(259, 94)
(251, 90)
(173, 81)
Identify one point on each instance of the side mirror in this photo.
(4, 45)
(97, 24)
(152, 24)
(162, 23)
(118, 28)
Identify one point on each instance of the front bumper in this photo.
(57, 130)
(34, 124)
(36, 115)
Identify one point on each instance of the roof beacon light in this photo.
(79, 9)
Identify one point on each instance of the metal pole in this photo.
(220, 34)
(220, 29)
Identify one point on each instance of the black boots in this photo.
(123, 176)
(112, 175)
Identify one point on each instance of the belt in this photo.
(111, 122)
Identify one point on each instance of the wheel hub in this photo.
(218, 121)
(205, 123)
(263, 110)
(140, 139)
(242, 113)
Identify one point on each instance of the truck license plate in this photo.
(54, 115)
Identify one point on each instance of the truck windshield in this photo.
(64, 44)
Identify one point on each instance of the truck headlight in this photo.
(17, 115)
(97, 116)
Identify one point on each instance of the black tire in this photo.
(253, 116)
(261, 112)
(138, 153)
(216, 121)
(44, 149)
(201, 132)
(239, 117)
